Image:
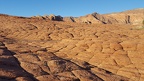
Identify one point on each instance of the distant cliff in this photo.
(134, 17)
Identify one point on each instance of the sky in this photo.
(74, 8)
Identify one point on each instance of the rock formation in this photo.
(134, 17)
(34, 49)
(69, 19)
(49, 17)
(127, 19)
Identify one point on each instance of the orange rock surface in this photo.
(37, 49)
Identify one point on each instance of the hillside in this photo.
(50, 49)
(133, 17)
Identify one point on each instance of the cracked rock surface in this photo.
(44, 50)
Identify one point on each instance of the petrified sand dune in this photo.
(40, 49)
(134, 17)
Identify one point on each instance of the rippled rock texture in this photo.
(34, 49)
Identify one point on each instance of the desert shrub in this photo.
(143, 23)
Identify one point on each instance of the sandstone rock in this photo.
(115, 46)
(33, 69)
(47, 78)
(98, 58)
(65, 51)
(140, 47)
(67, 76)
(61, 66)
(9, 68)
(129, 45)
(23, 79)
(53, 17)
(136, 57)
(121, 59)
(1, 44)
(85, 76)
(69, 19)
(107, 76)
(130, 71)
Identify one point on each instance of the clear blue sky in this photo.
(66, 7)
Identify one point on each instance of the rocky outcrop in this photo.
(10, 70)
(39, 49)
(69, 19)
(55, 18)
(41, 65)
(134, 17)
(89, 19)
(49, 17)
(127, 19)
